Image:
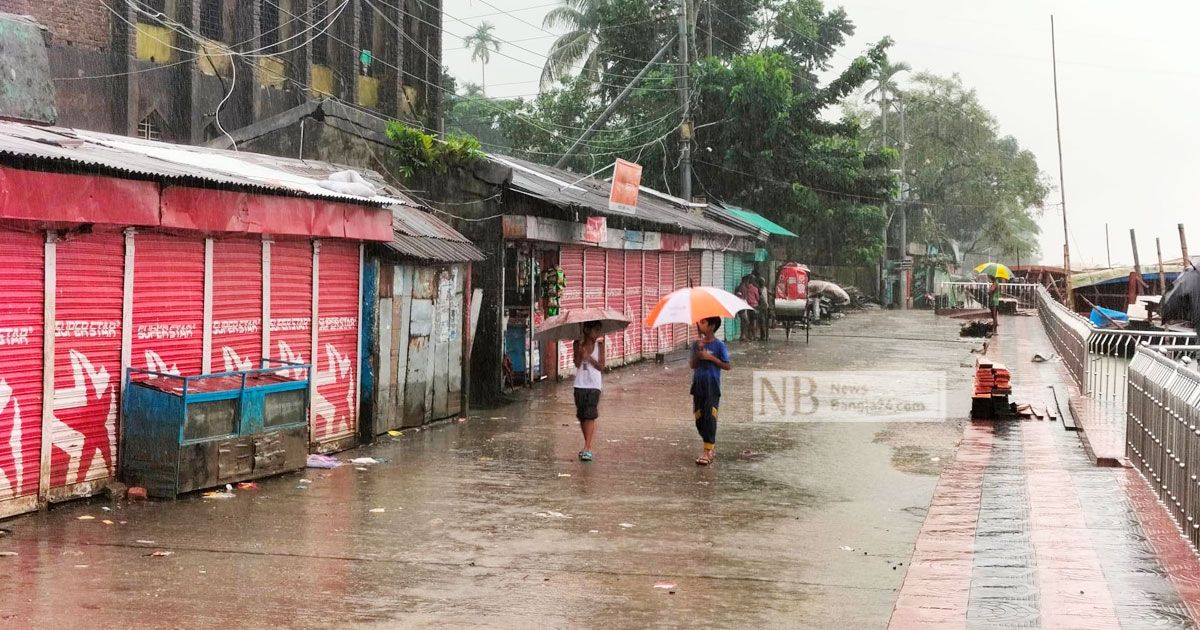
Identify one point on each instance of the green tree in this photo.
(970, 183)
(482, 42)
(582, 20)
(885, 91)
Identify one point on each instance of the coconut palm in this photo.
(482, 42)
(886, 90)
(579, 45)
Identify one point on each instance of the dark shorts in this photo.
(587, 404)
(706, 399)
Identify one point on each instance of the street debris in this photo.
(378, 510)
(976, 328)
(360, 468)
(220, 494)
(626, 525)
(322, 461)
(845, 548)
(552, 514)
(664, 585)
(305, 481)
(395, 433)
(144, 542)
(593, 531)
(365, 461)
(86, 517)
(81, 566)
(106, 509)
(8, 554)
(160, 554)
(136, 493)
(564, 474)
(247, 485)
(1040, 358)
(935, 459)
(107, 522)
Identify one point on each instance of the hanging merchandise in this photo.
(554, 280)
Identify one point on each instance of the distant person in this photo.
(589, 364)
(709, 358)
(994, 302)
(751, 292)
(763, 308)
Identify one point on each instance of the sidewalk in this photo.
(1025, 531)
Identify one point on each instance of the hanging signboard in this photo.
(596, 230)
(627, 179)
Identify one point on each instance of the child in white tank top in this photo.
(589, 365)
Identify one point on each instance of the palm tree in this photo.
(482, 42)
(581, 42)
(885, 88)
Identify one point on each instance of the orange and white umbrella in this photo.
(688, 306)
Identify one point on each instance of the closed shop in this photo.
(633, 304)
(21, 360)
(291, 298)
(335, 361)
(168, 303)
(614, 299)
(237, 304)
(89, 291)
(571, 259)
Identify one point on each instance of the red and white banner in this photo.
(168, 304)
(291, 301)
(335, 408)
(21, 318)
(237, 304)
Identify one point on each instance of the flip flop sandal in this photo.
(705, 459)
(585, 456)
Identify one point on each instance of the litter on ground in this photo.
(86, 517)
(322, 461)
(364, 461)
(664, 585)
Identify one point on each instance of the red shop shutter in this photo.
(593, 278)
(614, 295)
(695, 263)
(571, 261)
(291, 301)
(335, 412)
(89, 296)
(666, 282)
(633, 305)
(652, 337)
(168, 303)
(237, 304)
(21, 317)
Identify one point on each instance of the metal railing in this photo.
(974, 295)
(1162, 438)
(1109, 355)
(1069, 332)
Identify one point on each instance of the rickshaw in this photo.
(793, 308)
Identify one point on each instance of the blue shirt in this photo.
(708, 371)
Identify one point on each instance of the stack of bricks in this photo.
(993, 385)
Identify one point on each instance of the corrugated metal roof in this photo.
(417, 234)
(160, 161)
(567, 190)
(759, 221)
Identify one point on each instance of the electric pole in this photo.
(685, 126)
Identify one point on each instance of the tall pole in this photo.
(1187, 262)
(1062, 187)
(1107, 247)
(685, 126)
(903, 210)
(1162, 272)
(1137, 260)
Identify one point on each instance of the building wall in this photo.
(113, 68)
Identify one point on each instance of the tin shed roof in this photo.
(567, 190)
(186, 165)
(417, 234)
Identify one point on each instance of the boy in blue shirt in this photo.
(709, 358)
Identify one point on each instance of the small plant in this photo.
(416, 151)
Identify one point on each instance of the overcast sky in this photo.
(1127, 82)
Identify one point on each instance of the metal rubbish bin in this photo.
(186, 433)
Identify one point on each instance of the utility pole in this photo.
(905, 298)
(1107, 248)
(1187, 262)
(1062, 187)
(587, 135)
(685, 125)
(1137, 261)
(1162, 272)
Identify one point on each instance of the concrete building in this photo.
(188, 71)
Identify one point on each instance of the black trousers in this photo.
(706, 401)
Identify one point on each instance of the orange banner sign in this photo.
(627, 178)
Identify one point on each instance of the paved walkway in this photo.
(1025, 531)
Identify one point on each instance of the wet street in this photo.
(494, 522)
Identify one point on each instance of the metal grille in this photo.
(633, 304)
(320, 42)
(614, 296)
(269, 26)
(149, 129)
(336, 358)
(211, 25)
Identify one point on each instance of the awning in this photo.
(760, 222)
